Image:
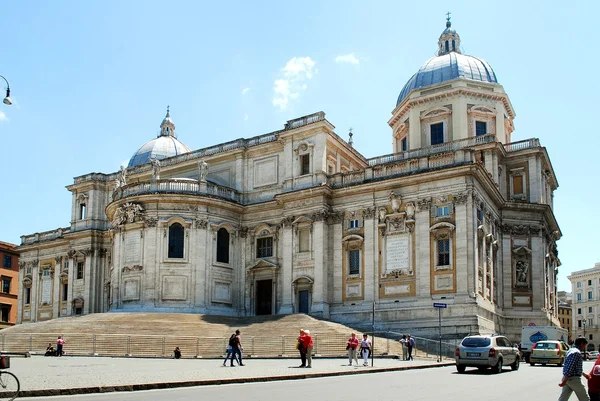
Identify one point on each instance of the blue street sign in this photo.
(439, 305)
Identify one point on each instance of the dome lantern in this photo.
(449, 40)
(167, 127)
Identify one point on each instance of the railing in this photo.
(176, 186)
(520, 145)
(44, 236)
(431, 150)
(302, 121)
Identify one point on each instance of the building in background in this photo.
(585, 291)
(299, 221)
(565, 312)
(10, 284)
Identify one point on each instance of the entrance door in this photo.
(303, 301)
(264, 297)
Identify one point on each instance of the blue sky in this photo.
(91, 80)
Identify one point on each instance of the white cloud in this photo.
(3, 116)
(292, 80)
(245, 116)
(348, 58)
(245, 90)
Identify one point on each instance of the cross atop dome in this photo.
(449, 40)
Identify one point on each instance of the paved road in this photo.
(536, 383)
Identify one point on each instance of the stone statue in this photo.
(118, 218)
(122, 178)
(522, 269)
(155, 168)
(203, 167)
(395, 201)
(382, 213)
(410, 211)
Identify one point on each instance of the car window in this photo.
(476, 342)
(500, 342)
(546, 346)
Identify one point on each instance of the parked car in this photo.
(486, 352)
(594, 354)
(544, 352)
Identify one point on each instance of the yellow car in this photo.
(544, 352)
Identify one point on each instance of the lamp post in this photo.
(583, 327)
(551, 316)
(6, 100)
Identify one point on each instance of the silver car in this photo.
(486, 352)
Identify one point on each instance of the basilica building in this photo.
(299, 221)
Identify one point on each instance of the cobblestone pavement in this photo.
(44, 373)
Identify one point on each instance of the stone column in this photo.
(21, 292)
(287, 254)
(71, 267)
(423, 254)
(35, 281)
(88, 279)
(319, 296)
(369, 244)
(336, 248)
(507, 267)
(56, 287)
(538, 257)
(461, 238)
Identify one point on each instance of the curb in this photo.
(214, 382)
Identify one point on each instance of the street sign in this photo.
(439, 305)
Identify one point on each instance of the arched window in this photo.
(453, 45)
(176, 241)
(447, 48)
(223, 246)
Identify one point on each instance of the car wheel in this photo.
(460, 368)
(515, 365)
(560, 363)
(531, 364)
(498, 367)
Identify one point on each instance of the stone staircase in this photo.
(198, 336)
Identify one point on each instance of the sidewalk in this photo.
(46, 376)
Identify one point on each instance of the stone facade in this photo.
(299, 221)
(9, 257)
(585, 318)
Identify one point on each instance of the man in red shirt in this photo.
(307, 342)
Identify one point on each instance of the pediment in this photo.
(521, 250)
(302, 220)
(263, 264)
(442, 225)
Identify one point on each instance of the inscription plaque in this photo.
(47, 291)
(132, 248)
(397, 253)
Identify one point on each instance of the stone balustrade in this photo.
(177, 186)
(520, 145)
(44, 236)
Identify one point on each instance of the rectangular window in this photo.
(480, 216)
(354, 224)
(82, 211)
(46, 272)
(354, 257)
(65, 292)
(589, 309)
(437, 133)
(303, 240)
(517, 184)
(404, 143)
(591, 336)
(304, 164)
(590, 295)
(589, 282)
(443, 211)
(480, 128)
(264, 247)
(5, 313)
(579, 311)
(6, 285)
(579, 323)
(7, 263)
(28, 270)
(579, 297)
(579, 284)
(79, 270)
(443, 252)
(27, 295)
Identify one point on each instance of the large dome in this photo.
(448, 65)
(158, 148)
(165, 145)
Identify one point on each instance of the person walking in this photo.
(229, 350)
(572, 372)
(302, 348)
(404, 347)
(410, 344)
(59, 346)
(177, 353)
(365, 349)
(308, 347)
(236, 348)
(352, 346)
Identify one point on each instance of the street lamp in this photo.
(6, 100)
(583, 328)
(551, 316)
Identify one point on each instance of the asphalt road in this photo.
(539, 383)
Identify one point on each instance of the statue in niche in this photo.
(522, 269)
(410, 211)
(203, 169)
(382, 213)
(395, 201)
(155, 168)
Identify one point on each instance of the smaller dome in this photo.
(158, 148)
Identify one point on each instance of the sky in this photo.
(91, 81)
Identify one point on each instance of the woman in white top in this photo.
(365, 349)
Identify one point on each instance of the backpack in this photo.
(233, 340)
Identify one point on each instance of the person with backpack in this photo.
(410, 344)
(230, 350)
(236, 348)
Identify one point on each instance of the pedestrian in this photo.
(365, 349)
(59, 346)
(177, 353)
(410, 344)
(572, 372)
(229, 350)
(301, 348)
(404, 347)
(594, 382)
(308, 347)
(236, 348)
(352, 346)
(50, 350)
